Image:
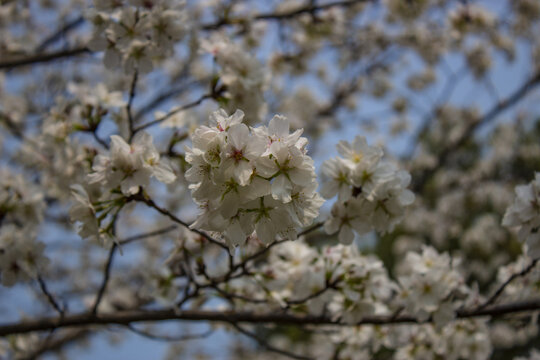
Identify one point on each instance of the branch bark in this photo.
(43, 58)
(133, 316)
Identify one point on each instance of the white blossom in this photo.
(249, 179)
(372, 193)
(130, 166)
(525, 213)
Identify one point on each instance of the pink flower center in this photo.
(237, 155)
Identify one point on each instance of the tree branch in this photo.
(147, 235)
(49, 296)
(42, 58)
(106, 276)
(132, 89)
(132, 316)
(149, 202)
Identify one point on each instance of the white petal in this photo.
(281, 189)
(163, 173)
(279, 125)
(238, 135)
(346, 235)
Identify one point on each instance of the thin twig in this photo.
(277, 242)
(49, 296)
(329, 285)
(272, 16)
(61, 32)
(173, 112)
(100, 140)
(149, 202)
(147, 235)
(129, 104)
(42, 58)
(267, 345)
(162, 97)
(500, 289)
(105, 281)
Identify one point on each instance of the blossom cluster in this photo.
(364, 287)
(243, 78)
(431, 286)
(336, 279)
(130, 166)
(133, 33)
(57, 151)
(372, 193)
(524, 287)
(125, 170)
(525, 213)
(251, 179)
(21, 202)
(21, 255)
(21, 211)
(341, 281)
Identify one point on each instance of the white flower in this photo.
(20, 201)
(235, 169)
(525, 212)
(336, 179)
(221, 121)
(349, 216)
(21, 255)
(372, 193)
(288, 166)
(427, 282)
(240, 152)
(130, 166)
(83, 212)
(359, 152)
(242, 75)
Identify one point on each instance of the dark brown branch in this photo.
(132, 316)
(42, 58)
(49, 296)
